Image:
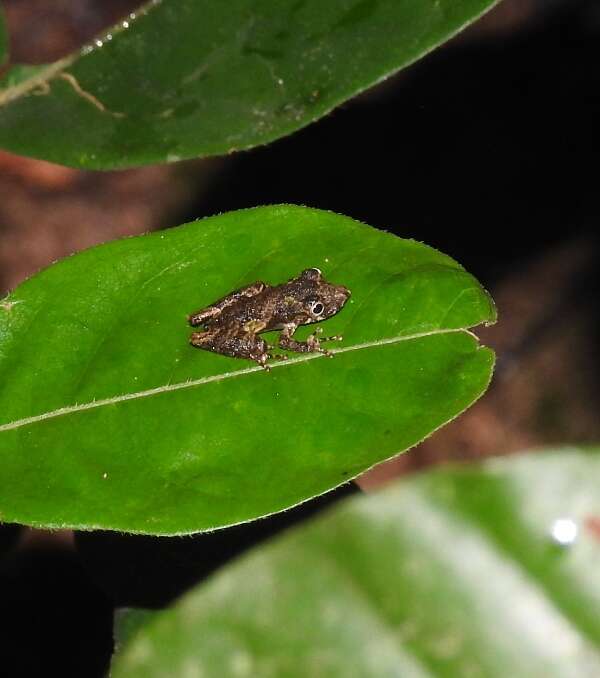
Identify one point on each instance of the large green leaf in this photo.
(188, 78)
(484, 571)
(108, 418)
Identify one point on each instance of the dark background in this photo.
(486, 149)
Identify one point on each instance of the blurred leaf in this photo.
(453, 572)
(109, 418)
(197, 77)
(21, 73)
(129, 621)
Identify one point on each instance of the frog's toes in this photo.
(335, 337)
(277, 356)
(262, 361)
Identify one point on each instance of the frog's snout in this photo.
(342, 295)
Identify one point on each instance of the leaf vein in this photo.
(192, 383)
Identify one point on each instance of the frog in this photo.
(232, 324)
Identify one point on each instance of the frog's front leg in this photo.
(201, 316)
(286, 341)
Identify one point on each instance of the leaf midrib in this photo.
(53, 70)
(192, 383)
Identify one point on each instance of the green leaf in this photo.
(453, 572)
(191, 78)
(110, 419)
(21, 73)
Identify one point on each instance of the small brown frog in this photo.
(233, 323)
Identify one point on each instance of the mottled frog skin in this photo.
(232, 324)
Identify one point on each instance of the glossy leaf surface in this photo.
(485, 571)
(191, 78)
(109, 418)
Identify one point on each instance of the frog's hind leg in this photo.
(235, 345)
(204, 314)
(203, 340)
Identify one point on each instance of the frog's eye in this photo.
(316, 308)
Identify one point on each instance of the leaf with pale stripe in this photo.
(189, 78)
(110, 419)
